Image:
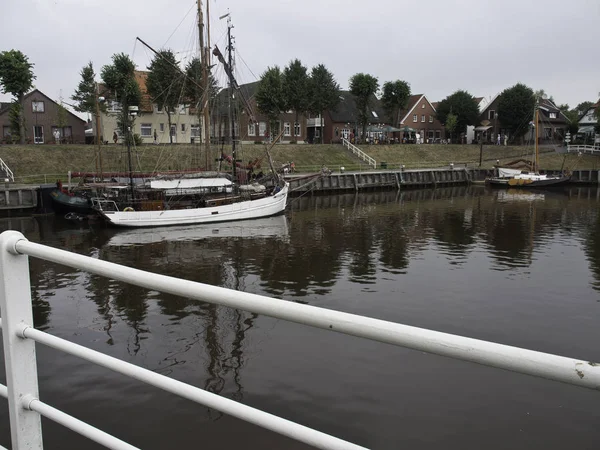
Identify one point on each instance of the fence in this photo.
(19, 337)
(358, 152)
(589, 149)
(6, 170)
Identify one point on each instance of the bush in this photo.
(293, 142)
(137, 140)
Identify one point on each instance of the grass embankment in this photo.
(39, 163)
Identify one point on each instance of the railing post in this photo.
(19, 352)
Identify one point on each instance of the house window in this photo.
(38, 134)
(423, 106)
(553, 115)
(438, 134)
(114, 107)
(345, 133)
(423, 118)
(161, 127)
(286, 129)
(430, 119)
(159, 109)
(491, 114)
(183, 127)
(415, 118)
(6, 131)
(262, 128)
(317, 132)
(195, 130)
(173, 130)
(251, 129)
(146, 130)
(296, 129)
(37, 106)
(182, 109)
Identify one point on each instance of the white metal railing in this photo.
(19, 338)
(7, 170)
(590, 149)
(358, 152)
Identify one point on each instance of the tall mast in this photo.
(205, 83)
(232, 83)
(536, 167)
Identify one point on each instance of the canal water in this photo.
(515, 267)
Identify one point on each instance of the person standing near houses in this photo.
(498, 139)
(155, 138)
(56, 137)
(115, 137)
(505, 140)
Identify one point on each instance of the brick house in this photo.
(248, 131)
(420, 114)
(42, 121)
(185, 124)
(552, 123)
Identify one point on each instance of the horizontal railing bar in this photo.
(78, 426)
(225, 405)
(567, 370)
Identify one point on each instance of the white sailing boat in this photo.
(205, 198)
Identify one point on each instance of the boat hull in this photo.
(524, 183)
(63, 203)
(271, 205)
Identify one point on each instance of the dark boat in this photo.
(65, 203)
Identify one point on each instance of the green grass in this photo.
(39, 163)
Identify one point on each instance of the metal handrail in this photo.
(6, 169)
(591, 149)
(19, 337)
(358, 152)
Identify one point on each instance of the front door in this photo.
(174, 134)
(38, 134)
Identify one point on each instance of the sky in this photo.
(436, 46)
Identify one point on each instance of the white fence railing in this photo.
(589, 149)
(7, 170)
(19, 338)
(358, 152)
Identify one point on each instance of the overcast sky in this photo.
(438, 46)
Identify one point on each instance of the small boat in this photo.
(64, 203)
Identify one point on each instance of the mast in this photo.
(536, 167)
(205, 83)
(232, 83)
(99, 160)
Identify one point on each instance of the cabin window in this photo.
(430, 119)
(251, 129)
(423, 118)
(296, 129)
(161, 127)
(146, 130)
(37, 106)
(415, 118)
(262, 128)
(553, 115)
(491, 114)
(286, 129)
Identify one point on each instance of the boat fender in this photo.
(129, 208)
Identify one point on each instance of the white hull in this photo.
(250, 209)
(275, 227)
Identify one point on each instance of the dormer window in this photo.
(553, 115)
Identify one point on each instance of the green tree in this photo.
(463, 105)
(85, 94)
(16, 78)
(119, 77)
(450, 124)
(363, 86)
(193, 87)
(165, 84)
(323, 92)
(515, 107)
(394, 98)
(295, 87)
(14, 117)
(573, 125)
(270, 96)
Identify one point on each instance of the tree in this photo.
(119, 77)
(270, 97)
(540, 93)
(165, 84)
(295, 87)
(515, 106)
(363, 86)
(323, 92)
(463, 105)
(451, 123)
(85, 94)
(394, 99)
(61, 117)
(193, 85)
(14, 117)
(16, 78)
